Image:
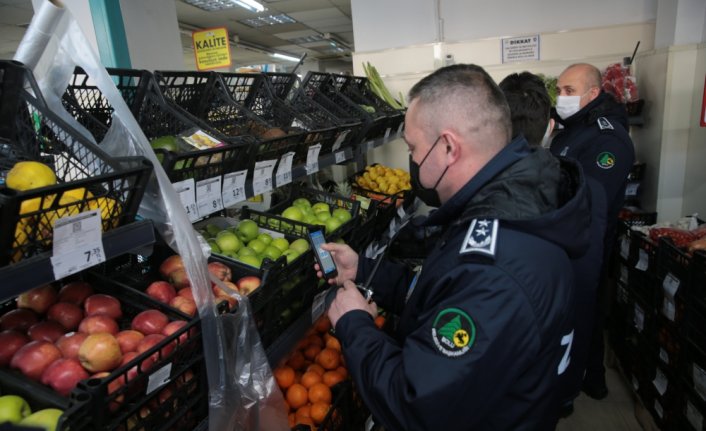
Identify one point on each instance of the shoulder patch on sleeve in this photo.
(481, 237)
(453, 332)
(604, 124)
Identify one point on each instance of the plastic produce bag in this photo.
(242, 390)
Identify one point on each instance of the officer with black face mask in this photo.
(484, 329)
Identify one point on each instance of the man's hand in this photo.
(348, 298)
(346, 262)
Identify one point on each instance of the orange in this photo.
(296, 361)
(292, 419)
(333, 343)
(343, 371)
(297, 395)
(309, 378)
(319, 392)
(329, 359)
(316, 368)
(331, 378)
(323, 324)
(284, 376)
(315, 339)
(319, 411)
(312, 351)
(303, 412)
(379, 321)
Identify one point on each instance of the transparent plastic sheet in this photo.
(242, 390)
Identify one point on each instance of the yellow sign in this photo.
(211, 48)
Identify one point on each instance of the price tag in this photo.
(699, 377)
(624, 247)
(399, 129)
(159, 378)
(387, 133)
(262, 178)
(312, 159)
(339, 140)
(200, 140)
(631, 189)
(78, 243)
(284, 169)
(643, 262)
(234, 187)
(208, 196)
(318, 307)
(663, 355)
(639, 318)
(669, 309)
(658, 409)
(369, 423)
(340, 156)
(694, 417)
(187, 195)
(364, 201)
(660, 382)
(670, 285)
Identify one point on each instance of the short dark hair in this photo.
(469, 89)
(530, 105)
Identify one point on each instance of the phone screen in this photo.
(325, 259)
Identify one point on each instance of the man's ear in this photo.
(452, 146)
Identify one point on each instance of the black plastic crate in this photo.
(157, 118)
(641, 265)
(282, 84)
(87, 178)
(672, 280)
(693, 411)
(662, 397)
(670, 343)
(694, 370)
(637, 172)
(697, 275)
(633, 216)
(695, 324)
(357, 88)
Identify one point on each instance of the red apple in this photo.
(103, 304)
(129, 339)
(185, 305)
(32, 358)
(220, 270)
(222, 295)
(113, 386)
(171, 264)
(19, 319)
(176, 326)
(137, 368)
(69, 344)
(180, 279)
(10, 342)
(152, 340)
(248, 284)
(162, 291)
(47, 330)
(150, 322)
(63, 375)
(69, 315)
(38, 299)
(98, 323)
(75, 292)
(186, 293)
(100, 352)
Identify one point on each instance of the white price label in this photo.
(624, 247)
(284, 169)
(159, 378)
(318, 307)
(639, 318)
(340, 156)
(631, 189)
(262, 178)
(663, 355)
(78, 243)
(699, 377)
(669, 308)
(643, 262)
(660, 382)
(187, 195)
(234, 187)
(694, 417)
(208, 196)
(312, 159)
(339, 140)
(387, 133)
(399, 129)
(670, 285)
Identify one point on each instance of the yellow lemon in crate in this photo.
(110, 211)
(30, 175)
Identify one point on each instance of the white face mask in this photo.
(566, 106)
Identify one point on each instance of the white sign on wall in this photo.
(523, 48)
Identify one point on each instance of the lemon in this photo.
(109, 209)
(30, 175)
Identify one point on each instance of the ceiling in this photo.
(322, 29)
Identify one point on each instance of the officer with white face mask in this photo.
(595, 133)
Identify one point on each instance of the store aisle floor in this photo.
(615, 413)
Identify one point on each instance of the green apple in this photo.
(332, 224)
(13, 409)
(247, 230)
(301, 202)
(247, 251)
(272, 252)
(46, 419)
(291, 255)
(342, 214)
(293, 213)
(251, 260)
(168, 143)
(301, 245)
(214, 246)
(265, 237)
(320, 206)
(228, 241)
(212, 229)
(257, 245)
(281, 243)
(310, 219)
(323, 215)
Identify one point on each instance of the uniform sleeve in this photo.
(609, 161)
(390, 283)
(430, 381)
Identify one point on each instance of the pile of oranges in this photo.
(306, 378)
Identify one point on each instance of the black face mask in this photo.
(428, 196)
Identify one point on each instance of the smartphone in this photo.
(323, 257)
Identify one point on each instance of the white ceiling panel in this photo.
(318, 14)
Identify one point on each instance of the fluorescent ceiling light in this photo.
(285, 57)
(262, 21)
(211, 5)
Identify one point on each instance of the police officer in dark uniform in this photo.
(596, 135)
(485, 327)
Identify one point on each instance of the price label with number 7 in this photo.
(77, 243)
